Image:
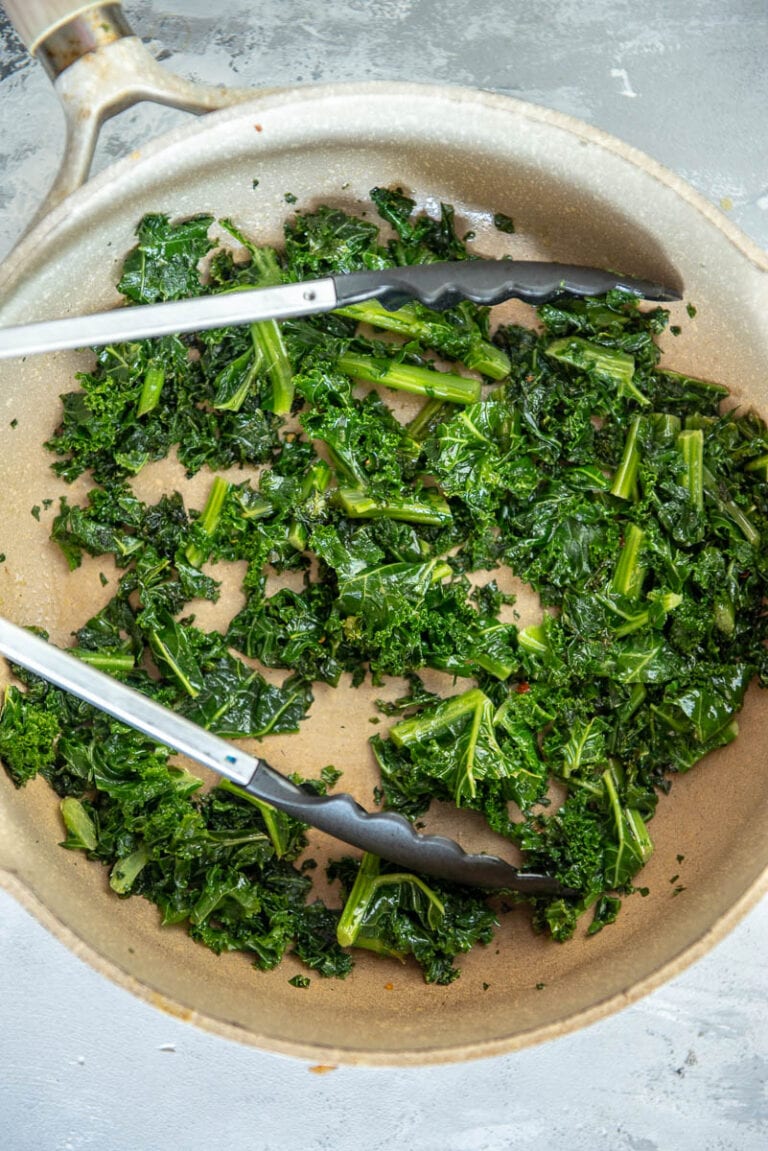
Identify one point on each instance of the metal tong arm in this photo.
(383, 833)
(439, 285)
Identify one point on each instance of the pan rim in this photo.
(330, 1055)
(116, 173)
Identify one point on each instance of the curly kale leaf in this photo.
(164, 263)
(398, 914)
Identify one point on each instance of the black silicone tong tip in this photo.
(488, 282)
(391, 836)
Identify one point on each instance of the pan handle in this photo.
(99, 67)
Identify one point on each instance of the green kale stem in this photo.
(434, 331)
(313, 485)
(411, 378)
(628, 574)
(534, 639)
(624, 713)
(669, 601)
(125, 872)
(276, 822)
(691, 445)
(234, 382)
(624, 483)
(81, 830)
(429, 415)
(631, 833)
(269, 347)
(266, 335)
(439, 720)
(109, 661)
(367, 882)
(154, 378)
(209, 520)
(431, 509)
(729, 508)
(316, 480)
(724, 607)
(706, 387)
(759, 464)
(268, 340)
(610, 363)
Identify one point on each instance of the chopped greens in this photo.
(618, 489)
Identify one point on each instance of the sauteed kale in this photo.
(619, 490)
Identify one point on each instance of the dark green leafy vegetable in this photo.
(616, 488)
(398, 914)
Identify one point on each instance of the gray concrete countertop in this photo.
(86, 1067)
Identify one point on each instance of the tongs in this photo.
(385, 834)
(438, 286)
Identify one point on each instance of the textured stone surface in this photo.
(86, 1067)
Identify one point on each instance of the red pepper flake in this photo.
(389, 987)
(522, 688)
(258, 127)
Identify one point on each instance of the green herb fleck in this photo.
(503, 223)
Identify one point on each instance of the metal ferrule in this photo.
(86, 32)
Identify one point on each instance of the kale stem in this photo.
(624, 482)
(410, 378)
(431, 509)
(691, 444)
(234, 382)
(730, 508)
(628, 574)
(431, 329)
(266, 335)
(759, 464)
(610, 363)
(154, 379)
(439, 720)
(109, 661)
(269, 344)
(276, 822)
(367, 882)
(209, 520)
(212, 510)
(358, 900)
(534, 639)
(426, 418)
(398, 877)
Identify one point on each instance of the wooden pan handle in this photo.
(34, 20)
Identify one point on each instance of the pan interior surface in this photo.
(575, 197)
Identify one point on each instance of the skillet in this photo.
(577, 196)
